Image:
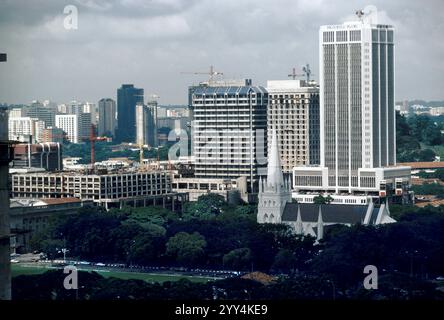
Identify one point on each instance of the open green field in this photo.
(18, 270)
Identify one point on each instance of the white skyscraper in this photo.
(146, 129)
(25, 129)
(71, 125)
(357, 109)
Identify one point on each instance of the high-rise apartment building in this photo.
(127, 98)
(107, 117)
(71, 125)
(84, 117)
(357, 110)
(293, 111)
(229, 123)
(25, 129)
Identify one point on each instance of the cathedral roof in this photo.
(331, 213)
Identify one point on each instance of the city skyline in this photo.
(152, 46)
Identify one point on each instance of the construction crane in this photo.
(211, 73)
(306, 72)
(92, 139)
(294, 75)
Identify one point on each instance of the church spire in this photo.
(299, 227)
(320, 225)
(274, 170)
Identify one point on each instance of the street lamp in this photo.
(334, 288)
(64, 251)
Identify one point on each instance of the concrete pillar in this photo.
(5, 255)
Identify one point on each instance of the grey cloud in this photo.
(149, 43)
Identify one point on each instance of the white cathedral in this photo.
(275, 205)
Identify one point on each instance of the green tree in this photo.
(206, 207)
(284, 261)
(186, 248)
(238, 259)
(150, 215)
(322, 200)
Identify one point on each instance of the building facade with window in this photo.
(357, 111)
(293, 111)
(229, 123)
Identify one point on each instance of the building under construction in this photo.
(107, 188)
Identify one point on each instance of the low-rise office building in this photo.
(114, 189)
(42, 155)
(28, 217)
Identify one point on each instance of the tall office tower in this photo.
(107, 117)
(71, 125)
(146, 128)
(357, 109)
(84, 119)
(91, 108)
(229, 121)
(50, 105)
(127, 99)
(152, 123)
(39, 111)
(293, 111)
(85, 125)
(25, 129)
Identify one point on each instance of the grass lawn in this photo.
(18, 270)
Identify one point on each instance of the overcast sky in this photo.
(149, 42)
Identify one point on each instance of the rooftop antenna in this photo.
(307, 71)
